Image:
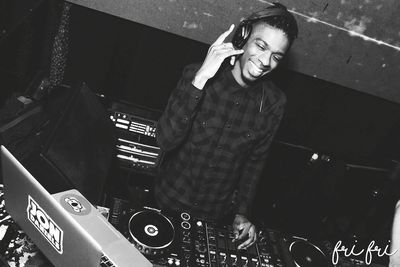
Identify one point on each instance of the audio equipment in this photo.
(182, 240)
(136, 144)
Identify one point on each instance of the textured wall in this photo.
(354, 43)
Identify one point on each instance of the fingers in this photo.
(232, 61)
(244, 232)
(223, 36)
(216, 47)
(237, 227)
(236, 234)
(251, 239)
(224, 50)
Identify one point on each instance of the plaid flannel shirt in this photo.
(217, 139)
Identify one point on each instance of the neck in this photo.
(237, 75)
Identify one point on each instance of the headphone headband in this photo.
(245, 26)
(275, 10)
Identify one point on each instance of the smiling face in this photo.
(263, 51)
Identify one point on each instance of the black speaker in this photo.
(77, 147)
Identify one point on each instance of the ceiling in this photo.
(353, 43)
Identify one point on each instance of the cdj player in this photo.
(182, 240)
(136, 144)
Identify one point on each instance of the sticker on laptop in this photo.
(75, 204)
(45, 225)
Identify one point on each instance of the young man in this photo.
(220, 121)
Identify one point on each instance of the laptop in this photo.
(65, 226)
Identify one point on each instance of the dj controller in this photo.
(182, 240)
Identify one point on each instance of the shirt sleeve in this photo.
(254, 166)
(176, 120)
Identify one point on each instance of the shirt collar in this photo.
(254, 91)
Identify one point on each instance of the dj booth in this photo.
(179, 240)
(165, 239)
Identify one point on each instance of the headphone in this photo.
(245, 27)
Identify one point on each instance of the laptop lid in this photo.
(51, 228)
(114, 245)
(65, 226)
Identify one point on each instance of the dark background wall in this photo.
(354, 43)
(129, 61)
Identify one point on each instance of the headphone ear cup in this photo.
(241, 35)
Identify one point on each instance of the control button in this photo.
(185, 233)
(204, 123)
(199, 224)
(185, 216)
(170, 261)
(185, 225)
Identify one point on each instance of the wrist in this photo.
(199, 81)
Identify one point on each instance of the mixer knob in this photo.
(246, 261)
(234, 259)
(185, 216)
(222, 258)
(185, 225)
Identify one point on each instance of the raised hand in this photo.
(216, 54)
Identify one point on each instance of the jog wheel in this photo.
(151, 232)
(306, 254)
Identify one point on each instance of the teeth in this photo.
(256, 69)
